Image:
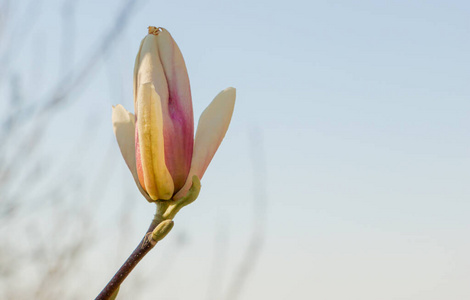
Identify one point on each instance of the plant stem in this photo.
(140, 251)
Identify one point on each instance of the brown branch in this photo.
(159, 228)
(140, 251)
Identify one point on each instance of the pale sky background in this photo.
(359, 109)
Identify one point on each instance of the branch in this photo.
(157, 230)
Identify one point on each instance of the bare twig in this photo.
(74, 80)
(140, 251)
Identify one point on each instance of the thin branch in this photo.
(159, 228)
(74, 80)
(140, 251)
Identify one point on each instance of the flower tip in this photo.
(154, 30)
(228, 94)
(118, 106)
(231, 90)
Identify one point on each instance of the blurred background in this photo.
(344, 174)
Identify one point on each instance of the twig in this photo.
(159, 228)
(140, 251)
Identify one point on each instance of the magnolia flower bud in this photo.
(164, 154)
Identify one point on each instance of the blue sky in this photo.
(362, 108)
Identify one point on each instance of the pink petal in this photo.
(160, 61)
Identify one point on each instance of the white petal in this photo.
(124, 129)
(211, 129)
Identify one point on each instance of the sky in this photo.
(351, 123)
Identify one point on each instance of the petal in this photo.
(136, 69)
(211, 129)
(124, 127)
(177, 109)
(156, 179)
(160, 61)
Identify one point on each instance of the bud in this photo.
(165, 154)
(162, 230)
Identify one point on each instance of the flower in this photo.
(158, 143)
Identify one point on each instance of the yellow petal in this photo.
(211, 129)
(157, 178)
(124, 128)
